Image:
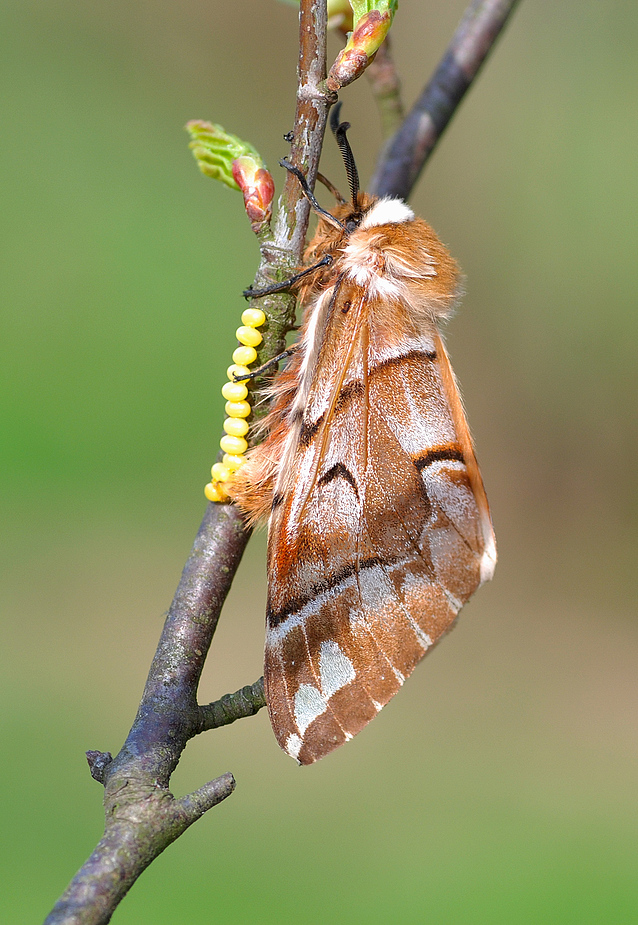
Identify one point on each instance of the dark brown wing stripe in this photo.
(339, 471)
(402, 358)
(295, 604)
(439, 453)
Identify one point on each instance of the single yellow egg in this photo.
(213, 493)
(253, 317)
(220, 473)
(234, 391)
(233, 462)
(234, 446)
(244, 355)
(236, 427)
(236, 370)
(248, 336)
(238, 409)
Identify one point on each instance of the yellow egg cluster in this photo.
(234, 443)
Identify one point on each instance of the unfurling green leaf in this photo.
(215, 150)
(237, 164)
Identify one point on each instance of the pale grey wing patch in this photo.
(449, 489)
(311, 701)
(383, 608)
(488, 542)
(423, 422)
(420, 439)
(335, 668)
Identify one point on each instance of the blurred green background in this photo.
(500, 785)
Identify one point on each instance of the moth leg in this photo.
(310, 196)
(272, 362)
(332, 188)
(251, 293)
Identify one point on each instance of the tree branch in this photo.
(142, 816)
(403, 159)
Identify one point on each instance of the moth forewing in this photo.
(379, 526)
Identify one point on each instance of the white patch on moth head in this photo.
(293, 745)
(335, 669)
(309, 704)
(387, 211)
(382, 271)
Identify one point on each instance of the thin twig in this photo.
(402, 161)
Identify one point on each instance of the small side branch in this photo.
(403, 159)
(137, 832)
(245, 702)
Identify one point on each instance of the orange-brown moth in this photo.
(379, 527)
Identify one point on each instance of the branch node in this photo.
(320, 92)
(98, 763)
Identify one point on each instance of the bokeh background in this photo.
(500, 785)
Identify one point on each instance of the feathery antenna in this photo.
(339, 130)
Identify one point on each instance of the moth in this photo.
(379, 529)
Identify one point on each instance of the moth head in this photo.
(331, 234)
(358, 221)
(361, 213)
